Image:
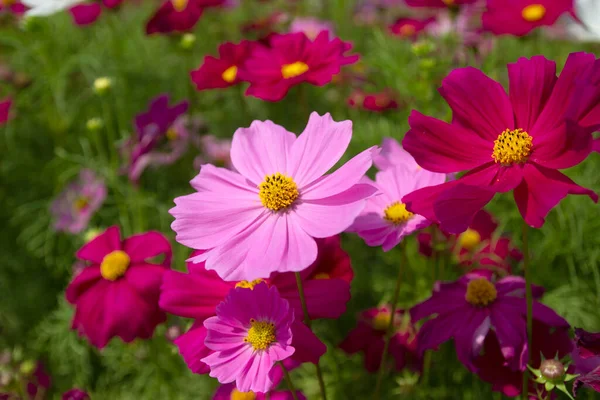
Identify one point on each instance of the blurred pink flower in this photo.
(5, 106)
(311, 27)
(519, 17)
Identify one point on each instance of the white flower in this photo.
(48, 7)
(588, 12)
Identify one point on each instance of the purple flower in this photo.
(75, 394)
(467, 308)
(74, 207)
(587, 360)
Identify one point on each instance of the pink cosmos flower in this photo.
(368, 338)
(264, 218)
(311, 27)
(377, 102)
(519, 17)
(507, 142)
(214, 151)
(467, 309)
(77, 203)
(14, 7)
(178, 15)
(392, 154)
(292, 59)
(76, 394)
(117, 294)
(410, 27)
(229, 392)
(88, 13)
(222, 72)
(326, 286)
(250, 333)
(437, 3)
(385, 220)
(5, 106)
(596, 145)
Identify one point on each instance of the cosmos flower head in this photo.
(514, 142)
(264, 217)
(78, 202)
(410, 28)
(519, 17)
(117, 293)
(14, 7)
(230, 392)
(178, 15)
(378, 102)
(5, 106)
(437, 3)
(292, 59)
(75, 394)
(88, 13)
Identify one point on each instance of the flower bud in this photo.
(102, 85)
(552, 369)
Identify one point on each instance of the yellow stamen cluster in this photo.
(237, 395)
(293, 70)
(481, 292)
(381, 321)
(7, 3)
(261, 334)
(248, 284)
(469, 239)
(322, 275)
(533, 12)
(512, 146)
(407, 30)
(396, 213)
(114, 265)
(179, 5)
(171, 134)
(278, 191)
(81, 203)
(230, 74)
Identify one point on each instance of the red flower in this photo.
(5, 110)
(222, 72)
(519, 17)
(86, 14)
(178, 15)
(516, 142)
(410, 27)
(373, 101)
(117, 294)
(292, 59)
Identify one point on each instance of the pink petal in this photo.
(541, 190)
(146, 245)
(97, 248)
(308, 347)
(261, 150)
(531, 84)
(456, 207)
(223, 180)
(393, 154)
(478, 103)
(192, 349)
(227, 365)
(85, 14)
(564, 147)
(146, 280)
(318, 148)
(87, 278)
(440, 147)
(322, 221)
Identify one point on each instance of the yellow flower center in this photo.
(81, 203)
(512, 147)
(469, 239)
(171, 134)
(261, 334)
(407, 30)
(278, 191)
(381, 321)
(533, 12)
(237, 395)
(293, 70)
(448, 2)
(321, 275)
(7, 3)
(397, 213)
(114, 265)
(230, 74)
(248, 284)
(179, 5)
(480, 292)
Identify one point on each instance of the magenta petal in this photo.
(564, 147)
(143, 246)
(541, 190)
(422, 201)
(439, 330)
(146, 280)
(192, 348)
(325, 298)
(88, 277)
(590, 380)
(531, 84)
(478, 103)
(308, 347)
(97, 248)
(393, 154)
(85, 14)
(441, 147)
(456, 207)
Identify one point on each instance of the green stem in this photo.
(390, 328)
(288, 380)
(529, 297)
(308, 323)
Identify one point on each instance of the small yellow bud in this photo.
(102, 85)
(187, 41)
(94, 124)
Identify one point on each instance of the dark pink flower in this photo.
(596, 145)
(117, 294)
(292, 59)
(75, 394)
(222, 72)
(77, 203)
(229, 392)
(40, 381)
(5, 106)
(88, 13)
(466, 310)
(14, 7)
(368, 338)
(437, 3)
(326, 285)
(178, 15)
(507, 142)
(378, 102)
(588, 344)
(519, 17)
(410, 27)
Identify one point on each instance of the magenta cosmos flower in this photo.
(86, 14)
(222, 72)
(250, 333)
(14, 7)
(311, 27)
(410, 28)
(178, 15)
(506, 142)
(466, 310)
(75, 206)
(385, 220)
(117, 294)
(5, 106)
(378, 102)
(264, 218)
(326, 286)
(519, 17)
(75, 394)
(368, 338)
(229, 392)
(437, 3)
(292, 59)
